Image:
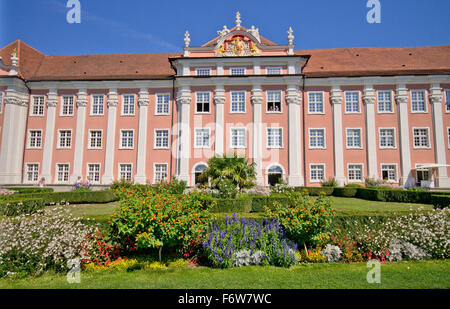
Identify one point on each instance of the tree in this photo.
(232, 168)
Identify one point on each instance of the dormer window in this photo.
(237, 71)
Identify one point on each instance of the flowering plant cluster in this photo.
(237, 240)
(305, 220)
(47, 239)
(160, 220)
(100, 250)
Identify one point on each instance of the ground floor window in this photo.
(94, 172)
(317, 172)
(422, 175)
(32, 172)
(274, 174)
(197, 172)
(355, 172)
(62, 172)
(389, 172)
(125, 172)
(160, 172)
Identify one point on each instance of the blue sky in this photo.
(148, 26)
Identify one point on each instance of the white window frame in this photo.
(428, 138)
(99, 172)
(155, 138)
(311, 180)
(231, 102)
(57, 173)
(268, 68)
(26, 180)
(29, 139)
(61, 111)
(202, 138)
(162, 104)
(324, 139)
(362, 172)
(394, 138)
(395, 170)
(392, 102)
(92, 104)
(245, 138)
(119, 171)
(448, 137)
(238, 68)
(59, 139)
(360, 138)
(154, 172)
(424, 98)
(309, 103)
(281, 102)
(281, 138)
(203, 103)
(447, 103)
(197, 70)
(90, 139)
(123, 104)
(121, 139)
(32, 114)
(345, 102)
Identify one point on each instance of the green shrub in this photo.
(259, 203)
(72, 197)
(440, 201)
(19, 207)
(233, 205)
(24, 190)
(174, 187)
(354, 185)
(315, 191)
(345, 192)
(329, 183)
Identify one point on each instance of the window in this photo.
(420, 137)
(62, 172)
(1, 102)
(95, 139)
(274, 175)
(202, 102)
(353, 138)
(274, 137)
(128, 105)
(126, 139)
(389, 172)
(355, 172)
(94, 172)
(67, 106)
(38, 106)
(387, 138)
(161, 138)
(447, 101)
(203, 71)
(274, 101)
(448, 134)
(65, 138)
(315, 102)
(316, 138)
(237, 71)
(125, 172)
(385, 102)
(162, 104)
(238, 102)
(418, 101)
(237, 138)
(201, 138)
(317, 172)
(35, 139)
(97, 104)
(352, 102)
(32, 172)
(273, 70)
(160, 172)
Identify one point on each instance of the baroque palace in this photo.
(301, 115)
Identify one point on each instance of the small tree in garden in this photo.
(236, 170)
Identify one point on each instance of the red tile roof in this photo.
(33, 65)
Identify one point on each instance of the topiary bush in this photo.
(72, 197)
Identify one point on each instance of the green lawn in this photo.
(405, 275)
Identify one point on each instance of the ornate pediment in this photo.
(238, 45)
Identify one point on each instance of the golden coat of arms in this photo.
(238, 45)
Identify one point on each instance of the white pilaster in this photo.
(336, 101)
(219, 100)
(142, 137)
(13, 135)
(257, 99)
(256, 68)
(401, 98)
(79, 136)
(184, 151)
(46, 170)
(294, 101)
(371, 141)
(108, 176)
(439, 140)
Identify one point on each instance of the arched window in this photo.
(198, 170)
(274, 174)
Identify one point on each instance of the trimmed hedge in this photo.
(18, 207)
(72, 197)
(25, 190)
(247, 204)
(397, 195)
(315, 191)
(345, 192)
(440, 201)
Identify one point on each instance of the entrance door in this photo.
(422, 176)
(274, 174)
(198, 171)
